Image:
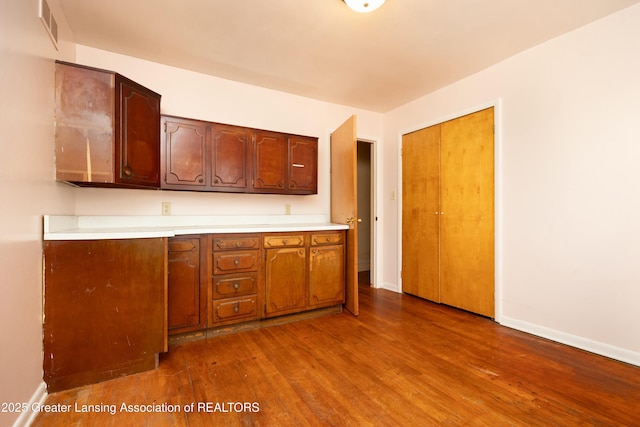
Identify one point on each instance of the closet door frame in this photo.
(496, 105)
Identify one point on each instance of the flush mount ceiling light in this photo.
(364, 5)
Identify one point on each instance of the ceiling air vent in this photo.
(49, 22)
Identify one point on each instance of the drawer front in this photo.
(235, 285)
(237, 308)
(235, 262)
(295, 240)
(227, 243)
(327, 239)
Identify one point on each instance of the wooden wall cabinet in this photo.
(205, 156)
(187, 284)
(235, 282)
(104, 309)
(107, 129)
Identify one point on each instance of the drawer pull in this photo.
(236, 286)
(236, 308)
(285, 241)
(236, 262)
(238, 244)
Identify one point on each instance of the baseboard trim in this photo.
(26, 418)
(602, 349)
(389, 286)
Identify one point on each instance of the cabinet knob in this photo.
(236, 308)
(237, 244)
(292, 185)
(280, 185)
(236, 262)
(127, 171)
(236, 286)
(201, 180)
(216, 181)
(285, 241)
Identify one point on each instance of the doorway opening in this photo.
(366, 212)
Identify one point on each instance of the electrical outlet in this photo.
(166, 208)
(287, 209)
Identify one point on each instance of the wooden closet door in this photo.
(421, 213)
(467, 219)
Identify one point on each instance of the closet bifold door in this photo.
(467, 213)
(421, 213)
(448, 213)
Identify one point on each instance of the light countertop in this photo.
(58, 227)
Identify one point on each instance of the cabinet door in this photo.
(326, 275)
(303, 165)
(184, 150)
(230, 147)
(269, 162)
(187, 299)
(85, 108)
(285, 281)
(137, 135)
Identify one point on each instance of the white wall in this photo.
(27, 190)
(194, 95)
(568, 187)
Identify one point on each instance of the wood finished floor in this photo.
(402, 362)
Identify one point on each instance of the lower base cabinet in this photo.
(104, 309)
(246, 277)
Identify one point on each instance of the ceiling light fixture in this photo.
(364, 5)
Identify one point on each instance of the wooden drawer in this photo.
(235, 285)
(235, 308)
(279, 241)
(226, 243)
(235, 262)
(327, 239)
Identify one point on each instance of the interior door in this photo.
(421, 213)
(344, 201)
(467, 218)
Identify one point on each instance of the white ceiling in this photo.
(323, 50)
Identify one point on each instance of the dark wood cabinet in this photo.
(235, 282)
(269, 162)
(326, 269)
(230, 158)
(187, 283)
(107, 129)
(285, 280)
(183, 153)
(302, 165)
(206, 156)
(104, 309)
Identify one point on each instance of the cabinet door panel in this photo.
(285, 280)
(230, 157)
(303, 165)
(326, 275)
(185, 295)
(137, 135)
(270, 158)
(184, 152)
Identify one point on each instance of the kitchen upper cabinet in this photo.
(270, 162)
(230, 158)
(206, 156)
(187, 283)
(184, 148)
(107, 129)
(302, 165)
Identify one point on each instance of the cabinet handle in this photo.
(236, 262)
(236, 286)
(285, 241)
(236, 308)
(280, 185)
(216, 181)
(200, 181)
(292, 185)
(237, 244)
(127, 171)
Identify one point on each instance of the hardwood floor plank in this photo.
(403, 361)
